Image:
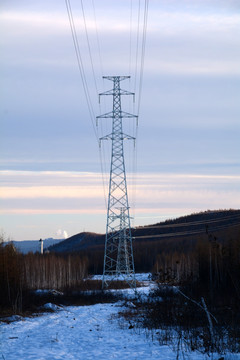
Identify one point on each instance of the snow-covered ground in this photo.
(82, 332)
(138, 276)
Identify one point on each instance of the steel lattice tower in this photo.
(118, 255)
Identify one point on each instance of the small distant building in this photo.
(41, 246)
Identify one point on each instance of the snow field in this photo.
(85, 332)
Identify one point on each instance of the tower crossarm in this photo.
(121, 114)
(122, 137)
(111, 92)
(119, 78)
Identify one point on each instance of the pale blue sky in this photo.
(188, 136)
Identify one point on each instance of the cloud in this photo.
(61, 234)
(52, 211)
(42, 20)
(180, 40)
(49, 192)
(82, 193)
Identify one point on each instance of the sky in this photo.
(54, 177)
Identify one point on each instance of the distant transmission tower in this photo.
(118, 255)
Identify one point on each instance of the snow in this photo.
(83, 332)
(138, 276)
(52, 307)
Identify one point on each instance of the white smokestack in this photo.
(41, 246)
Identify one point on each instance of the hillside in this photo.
(218, 222)
(78, 242)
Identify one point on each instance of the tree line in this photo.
(20, 274)
(210, 265)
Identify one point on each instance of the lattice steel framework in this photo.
(118, 255)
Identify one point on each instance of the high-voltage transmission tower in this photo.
(118, 255)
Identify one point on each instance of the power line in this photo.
(130, 40)
(135, 68)
(80, 65)
(102, 157)
(193, 223)
(137, 45)
(143, 45)
(103, 179)
(145, 19)
(144, 34)
(97, 36)
(185, 233)
(89, 49)
(139, 64)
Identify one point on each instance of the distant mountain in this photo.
(219, 222)
(34, 245)
(78, 242)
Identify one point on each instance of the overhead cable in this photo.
(145, 19)
(89, 49)
(137, 46)
(130, 41)
(80, 65)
